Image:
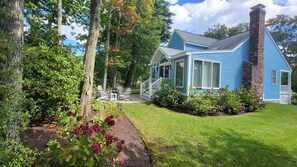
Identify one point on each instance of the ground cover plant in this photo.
(266, 138)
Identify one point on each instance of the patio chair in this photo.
(126, 95)
(120, 92)
(102, 95)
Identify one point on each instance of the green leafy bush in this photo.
(167, 96)
(294, 99)
(250, 100)
(106, 107)
(51, 79)
(201, 104)
(90, 144)
(16, 155)
(229, 101)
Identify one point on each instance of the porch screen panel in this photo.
(207, 74)
(285, 78)
(216, 75)
(179, 73)
(161, 71)
(166, 73)
(197, 74)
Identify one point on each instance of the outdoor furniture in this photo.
(102, 95)
(126, 95)
(113, 96)
(120, 91)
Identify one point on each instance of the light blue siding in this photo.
(231, 65)
(183, 90)
(176, 42)
(194, 47)
(273, 60)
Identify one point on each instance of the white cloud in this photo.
(73, 30)
(172, 1)
(197, 17)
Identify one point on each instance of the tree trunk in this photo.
(59, 17)
(107, 51)
(114, 77)
(89, 64)
(11, 31)
(132, 68)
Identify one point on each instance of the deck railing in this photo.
(152, 85)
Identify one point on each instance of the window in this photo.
(179, 73)
(164, 71)
(206, 74)
(285, 78)
(273, 77)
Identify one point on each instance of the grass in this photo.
(266, 138)
(135, 91)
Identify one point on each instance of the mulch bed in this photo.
(134, 153)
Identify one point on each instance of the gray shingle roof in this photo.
(171, 52)
(230, 42)
(195, 38)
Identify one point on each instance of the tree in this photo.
(283, 29)
(221, 31)
(89, 62)
(59, 17)
(150, 31)
(11, 31)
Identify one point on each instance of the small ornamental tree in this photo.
(89, 144)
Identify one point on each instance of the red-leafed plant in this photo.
(89, 144)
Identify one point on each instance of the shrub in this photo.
(294, 99)
(51, 80)
(90, 144)
(229, 101)
(167, 96)
(200, 104)
(250, 100)
(106, 107)
(16, 155)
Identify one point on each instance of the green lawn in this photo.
(266, 138)
(135, 91)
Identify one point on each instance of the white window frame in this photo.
(273, 77)
(177, 61)
(211, 61)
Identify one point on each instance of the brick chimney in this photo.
(253, 69)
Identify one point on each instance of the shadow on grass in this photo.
(223, 148)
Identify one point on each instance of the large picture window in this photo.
(179, 73)
(206, 74)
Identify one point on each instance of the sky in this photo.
(198, 15)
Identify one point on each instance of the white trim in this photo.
(189, 74)
(271, 99)
(278, 49)
(211, 61)
(183, 73)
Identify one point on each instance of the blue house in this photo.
(251, 58)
